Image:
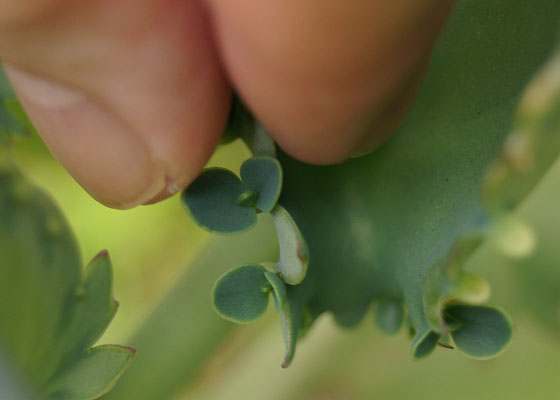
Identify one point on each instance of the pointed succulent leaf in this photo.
(484, 331)
(294, 255)
(241, 295)
(278, 289)
(263, 175)
(212, 201)
(49, 314)
(424, 342)
(94, 307)
(389, 315)
(92, 375)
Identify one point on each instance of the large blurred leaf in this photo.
(50, 315)
(375, 225)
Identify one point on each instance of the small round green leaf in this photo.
(294, 255)
(279, 289)
(263, 175)
(389, 316)
(424, 342)
(484, 331)
(212, 201)
(241, 295)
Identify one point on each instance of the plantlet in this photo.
(401, 223)
(387, 236)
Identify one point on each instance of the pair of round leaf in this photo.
(220, 202)
(480, 332)
(242, 294)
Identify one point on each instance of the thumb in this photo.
(132, 107)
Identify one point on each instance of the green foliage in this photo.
(263, 175)
(480, 332)
(213, 200)
(241, 295)
(386, 221)
(402, 222)
(50, 314)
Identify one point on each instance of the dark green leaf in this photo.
(389, 315)
(241, 295)
(212, 201)
(424, 342)
(484, 331)
(263, 175)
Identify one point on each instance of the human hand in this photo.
(132, 96)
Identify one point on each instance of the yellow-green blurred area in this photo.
(152, 246)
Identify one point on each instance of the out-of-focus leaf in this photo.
(49, 314)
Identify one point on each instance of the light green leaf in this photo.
(241, 295)
(484, 332)
(213, 200)
(263, 175)
(49, 314)
(91, 376)
(294, 255)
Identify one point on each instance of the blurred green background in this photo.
(152, 247)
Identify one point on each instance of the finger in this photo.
(128, 95)
(320, 74)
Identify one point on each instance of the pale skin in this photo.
(132, 96)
